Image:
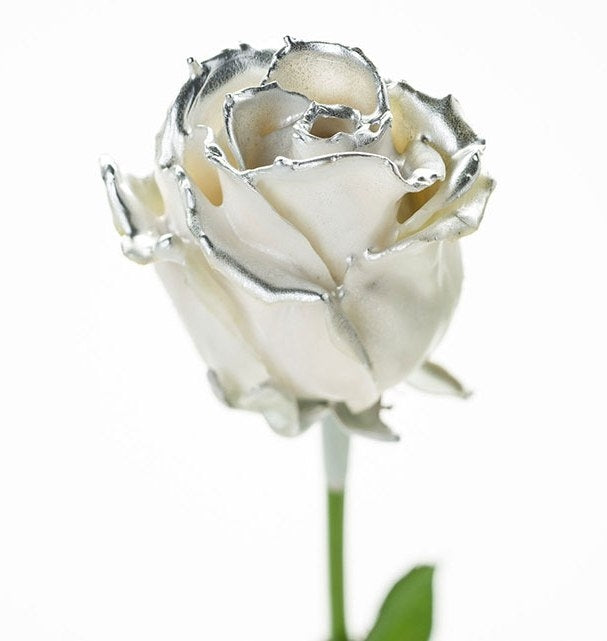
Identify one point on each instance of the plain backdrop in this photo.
(133, 506)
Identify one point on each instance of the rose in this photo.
(304, 217)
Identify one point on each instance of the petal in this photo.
(401, 304)
(432, 378)
(200, 102)
(295, 324)
(238, 262)
(420, 120)
(279, 408)
(137, 209)
(255, 223)
(418, 116)
(422, 164)
(237, 374)
(259, 123)
(343, 204)
(247, 240)
(284, 413)
(451, 221)
(329, 74)
(297, 327)
(309, 348)
(324, 130)
(209, 315)
(265, 122)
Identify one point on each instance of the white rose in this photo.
(304, 217)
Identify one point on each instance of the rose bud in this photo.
(304, 216)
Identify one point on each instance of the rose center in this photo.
(327, 126)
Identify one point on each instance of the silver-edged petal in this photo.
(262, 279)
(401, 305)
(327, 129)
(437, 120)
(211, 317)
(435, 379)
(137, 209)
(433, 126)
(271, 236)
(267, 279)
(200, 102)
(329, 74)
(446, 222)
(422, 164)
(259, 123)
(343, 204)
(311, 348)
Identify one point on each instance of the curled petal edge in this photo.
(452, 222)
(255, 97)
(205, 78)
(296, 46)
(224, 262)
(443, 124)
(143, 241)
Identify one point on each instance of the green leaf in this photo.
(406, 614)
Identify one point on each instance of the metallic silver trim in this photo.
(205, 78)
(232, 99)
(123, 218)
(291, 44)
(140, 245)
(220, 259)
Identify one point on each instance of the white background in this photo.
(133, 506)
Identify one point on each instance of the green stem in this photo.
(335, 503)
(336, 446)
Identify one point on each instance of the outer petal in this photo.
(200, 102)
(343, 204)
(267, 277)
(438, 120)
(210, 316)
(401, 305)
(309, 348)
(298, 328)
(420, 120)
(285, 414)
(137, 209)
(247, 237)
(455, 219)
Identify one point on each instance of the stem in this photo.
(335, 502)
(336, 444)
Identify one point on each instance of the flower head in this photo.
(304, 215)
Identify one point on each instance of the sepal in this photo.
(431, 377)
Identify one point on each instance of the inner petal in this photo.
(330, 74)
(327, 126)
(325, 130)
(259, 122)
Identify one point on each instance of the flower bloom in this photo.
(304, 215)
